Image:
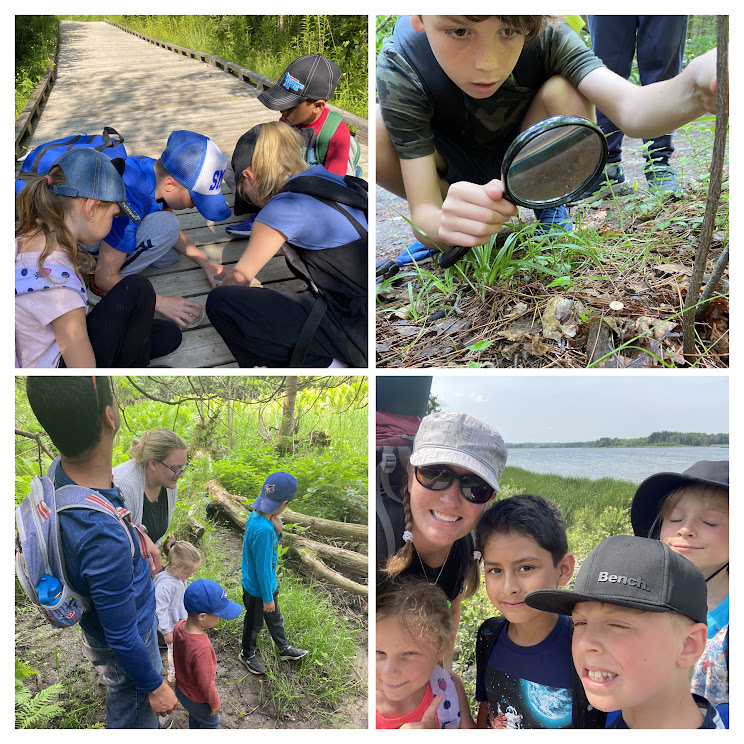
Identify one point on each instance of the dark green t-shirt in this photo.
(409, 107)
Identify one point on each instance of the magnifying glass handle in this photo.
(452, 255)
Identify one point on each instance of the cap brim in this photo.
(448, 456)
(242, 206)
(128, 211)
(277, 98)
(562, 601)
(230, 611)
(212, 206)
(265, 505)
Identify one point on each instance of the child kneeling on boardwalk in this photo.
(75, 202)
(319, 221)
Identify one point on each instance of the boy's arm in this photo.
(186, 248)
(469, 214)
(482, 720)
(659, 108)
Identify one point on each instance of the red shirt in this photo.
(414, 716)
(337, 157)
(196, 666)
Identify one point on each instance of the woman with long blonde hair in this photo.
(319, 221)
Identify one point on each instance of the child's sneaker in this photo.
(252, 663)
(608, 183)
(242, 229)
(292, 654)
(662, 178)
(417, 252)
(553, 221)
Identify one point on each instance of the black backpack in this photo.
(336, 276)
(584, 714)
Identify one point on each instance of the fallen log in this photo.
(346, 559)
(195, 529)
(317, 568)
(233, 507)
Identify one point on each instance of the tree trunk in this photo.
(316, 567)
(347, 560)
(288, 411)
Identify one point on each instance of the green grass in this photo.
(35, 37)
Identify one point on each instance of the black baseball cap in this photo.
(310, 77)
(649, 495)
(242, 157)
(635, 572)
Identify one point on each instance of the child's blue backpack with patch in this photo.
(41, 158)
(40, 564)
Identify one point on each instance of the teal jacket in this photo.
(260, 555)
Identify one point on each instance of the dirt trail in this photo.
(57, 656)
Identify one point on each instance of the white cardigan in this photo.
(130, 478)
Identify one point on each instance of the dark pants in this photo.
(122, 330)
(261, 326)
(200, 714)
(253, 621)
(658, 42)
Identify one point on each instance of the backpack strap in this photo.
(353, 193)
(330, 125)
(383, 518)
(448, 711)
(487, 634)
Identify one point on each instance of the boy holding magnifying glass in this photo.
(454, 91)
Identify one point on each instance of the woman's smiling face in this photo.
(441, 517)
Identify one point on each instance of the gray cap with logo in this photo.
(635, 572)
(459, 439)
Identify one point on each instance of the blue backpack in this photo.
(41, 158)
(40, 564)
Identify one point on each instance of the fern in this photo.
(32, 711)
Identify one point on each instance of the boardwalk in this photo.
(107, 77)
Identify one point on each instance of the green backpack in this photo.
(324, 137)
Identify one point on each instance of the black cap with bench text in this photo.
(632, 572)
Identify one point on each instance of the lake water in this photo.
(623, 463)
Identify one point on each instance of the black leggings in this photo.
(122, 330)
(261, 326)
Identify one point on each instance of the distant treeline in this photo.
(657, 439)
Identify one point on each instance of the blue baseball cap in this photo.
(91, 174)
(199, 165)
(277, 488)
(205, 595)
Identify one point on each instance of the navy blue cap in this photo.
(277, 488)
(205, 595)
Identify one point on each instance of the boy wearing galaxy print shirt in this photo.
(525, 676)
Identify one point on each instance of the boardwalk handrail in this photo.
(261, 82)
(29, 117)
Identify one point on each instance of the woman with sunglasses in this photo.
(149, 480)
(453, 474)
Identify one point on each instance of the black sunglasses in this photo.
(440, 477)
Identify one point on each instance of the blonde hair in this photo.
(39, 210)
(667, 504)
(402, 559)
(155, 444)
(181, 554)
(421, 609)
(277, 156)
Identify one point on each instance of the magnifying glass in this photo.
(549, 164)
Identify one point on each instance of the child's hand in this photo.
(429, 721)
(705, 78)
(471, 213)
(184, 312)
(276, 520)
(215, 711)
(211, 270)
(269, 606)
(168, 638)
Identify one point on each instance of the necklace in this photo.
(715, 573)
(423, 568)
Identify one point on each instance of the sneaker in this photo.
(292, 654)
(611, 182)
(417, 252)
(662, 177)
(165, 722)
(385, 268)
(242, 229)
(553, 221)
(252, 664)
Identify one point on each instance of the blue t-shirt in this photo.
(530, 686)
(718, 618)
(260, 557)
(99, 564)
(140, 182)
(307, 222)
(712, 717)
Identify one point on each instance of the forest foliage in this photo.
(655, 439)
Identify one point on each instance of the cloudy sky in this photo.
(581, 407)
